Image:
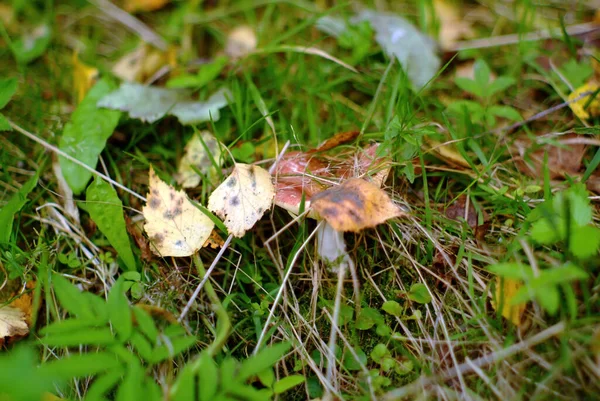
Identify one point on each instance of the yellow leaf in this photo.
(143, 62)
(355, 205)
(448, 153)
(133, 6)
(506, 289)
(174, 225)
(453, 26)
(243, 198)
(197, 158)
(84, 77)
(579, 106)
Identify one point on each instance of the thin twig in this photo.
(81, 164)
(131, 23)
(205, 278)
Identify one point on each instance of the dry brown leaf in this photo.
(506, 289)
(562, 160)
(336, 140)
(16, 317)
(453, 26)
(240, 42)
(242, 199)
(197, 158)
(174, 225)
(134, 6)
(354, 205)
(214, 241)
(447, 153)
(84, 77)
(143, 62)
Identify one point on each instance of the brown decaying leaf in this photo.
(134, 6)
(336, 140)
(562, 161)
(16, 317)
(214, 241)
(143, 62)
(174, 225)
(354, 205)
(453, 25)
(305, 173)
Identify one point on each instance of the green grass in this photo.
(453, 346)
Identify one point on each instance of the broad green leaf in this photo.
(184, 387)
(399, 38)
(8, 87)
(102, 384)
(142, 346)
(559, 275)
(81, 365)
(208, 377)
(549, 299)
(85, 136)
(145, 324)
(12, 207)
(105, 208)
(482, 73)
(89, 336)
(31, 45)
(393, 308)
(150, 104)
(175, 346)
(500, 84)
(69, 325)
(585, 241)
(132, 385)
(514, 271)
(21, 374)
(368, 318)
(379, 352)
(119, 311)
(206, 74)
(419, 293)
(287, 383)
(71, 298)
(350, 361)
(469, 85)
(505, 112)
(4, 124)
(545, 233)
(267, 377)
(265, 359)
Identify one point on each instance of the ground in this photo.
(451, 148)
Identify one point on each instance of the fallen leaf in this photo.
(134, 6)
(305, 173)
(214, 241)
(143, 62)
(150, 104)
(242, 199)
(459, 211)
(564, 159)
(448, 153)
(453, 25)
(579, 106)
(174, 225)
(336, 140)
(85, 136)
(16, 317)
(354, 205)
(84, 77)
(398, 37)
(203, 154)
(506, 289)
(240, 42)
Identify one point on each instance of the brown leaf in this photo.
(16, 317)
(562, 160)
(336, 140)
(453, 26)
(355, 205)
(133, 6)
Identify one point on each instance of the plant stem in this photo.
(223, 323)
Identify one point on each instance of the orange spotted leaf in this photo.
(355, 205)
